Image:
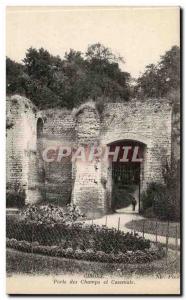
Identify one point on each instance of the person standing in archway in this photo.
(134, 202)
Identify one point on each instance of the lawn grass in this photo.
(27, 263)
(150, 227)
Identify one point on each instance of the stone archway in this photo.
(126, 177)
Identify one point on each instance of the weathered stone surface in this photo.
(89, 185)
(21, 147)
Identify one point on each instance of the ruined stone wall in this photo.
(21, 149)
(89, 185)
(148, 123)
(58, 131)
(87, 189)
(26, 170)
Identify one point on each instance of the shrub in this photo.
(159, 201)
(79, 254)
(149, 213)
(15, 199)
(90, 254)
(69, 252)
(148, 196)
(155, 201)
(171, 174)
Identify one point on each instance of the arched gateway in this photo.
(127, 174)
(104, 185)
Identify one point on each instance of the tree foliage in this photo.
(51, 81)
(160, 79)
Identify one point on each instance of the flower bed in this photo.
(128, 257)
(77, 236)
(51, 230)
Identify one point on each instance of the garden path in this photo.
(121, 217)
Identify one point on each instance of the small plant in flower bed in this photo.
(128, 257)
(51, 214)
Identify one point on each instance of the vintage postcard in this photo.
(93, 150)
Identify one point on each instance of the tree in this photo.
(104, 73)
(100, 53)
(159, 80)
(148, 83)
(169, 70)
(14, 76)
(50, 81)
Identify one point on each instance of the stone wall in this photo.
(87, 184)
(87, 189)
(58, 131)
(21, 147)
(148, 123)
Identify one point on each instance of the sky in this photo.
(140, 35)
